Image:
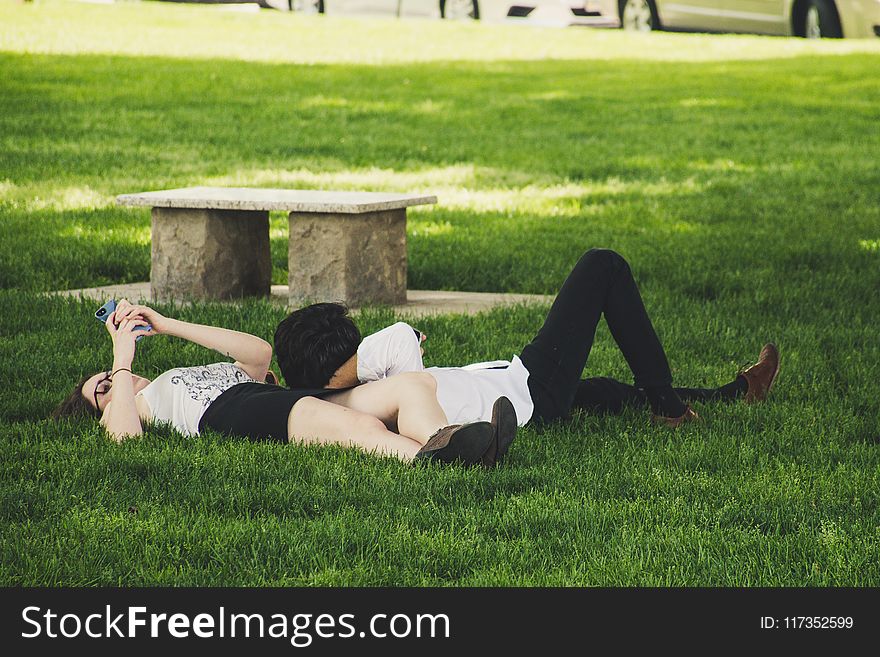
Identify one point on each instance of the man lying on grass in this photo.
(398, 416)
(319, 346)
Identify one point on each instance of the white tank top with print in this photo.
(182, 395)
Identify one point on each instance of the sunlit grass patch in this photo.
(466, 187)
(43, 196)
(369, 178)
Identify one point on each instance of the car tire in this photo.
(820, 20)
(306, 6)
(460, 9)
(638, 15)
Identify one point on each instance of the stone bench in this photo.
(213, 243)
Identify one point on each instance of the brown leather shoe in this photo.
(504, 426)
(762, 374)
(689, 415)
(463, 443)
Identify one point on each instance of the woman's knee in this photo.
(420, 381)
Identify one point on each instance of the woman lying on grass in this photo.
(399, 416)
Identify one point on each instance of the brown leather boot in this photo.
(689, 415)
(463, 443)
(762, 374)
(504, 426)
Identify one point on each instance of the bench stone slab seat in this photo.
(213, 243)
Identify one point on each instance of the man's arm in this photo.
(392, 350)
(346, 376)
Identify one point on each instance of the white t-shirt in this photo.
(466, 394)
(182, 395)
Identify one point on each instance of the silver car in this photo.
(805, 18)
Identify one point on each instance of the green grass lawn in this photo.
(739, 175)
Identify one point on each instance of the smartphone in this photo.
(102, 313)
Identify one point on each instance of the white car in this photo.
(561, 12)
(452, 9)
(804, 18)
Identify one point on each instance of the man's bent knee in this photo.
(605, 258)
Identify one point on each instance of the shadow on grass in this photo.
(628, 155)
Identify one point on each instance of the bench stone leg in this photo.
(209, 254)
(355, 258)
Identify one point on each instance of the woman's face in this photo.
(98, 389)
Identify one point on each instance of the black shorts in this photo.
(256, 411)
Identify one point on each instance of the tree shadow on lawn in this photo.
(717, 137)
(163, 118)
(775, 263)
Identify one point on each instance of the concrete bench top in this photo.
(290, 200)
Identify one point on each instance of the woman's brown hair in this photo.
(75, 404)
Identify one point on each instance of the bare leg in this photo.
(406, 403)
(313, 420)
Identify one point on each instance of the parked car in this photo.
(451, 9)
(563, 12)
(812, 19)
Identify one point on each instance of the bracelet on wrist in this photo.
(121, 369)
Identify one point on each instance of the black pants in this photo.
(256, 411)
(601, 395)
(600, 283)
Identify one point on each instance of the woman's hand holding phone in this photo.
(127, 323)
(125, 310)
(124, 337)
(109, 309)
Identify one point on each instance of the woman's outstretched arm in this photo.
(252, 354)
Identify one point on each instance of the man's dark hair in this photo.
(313, 342)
